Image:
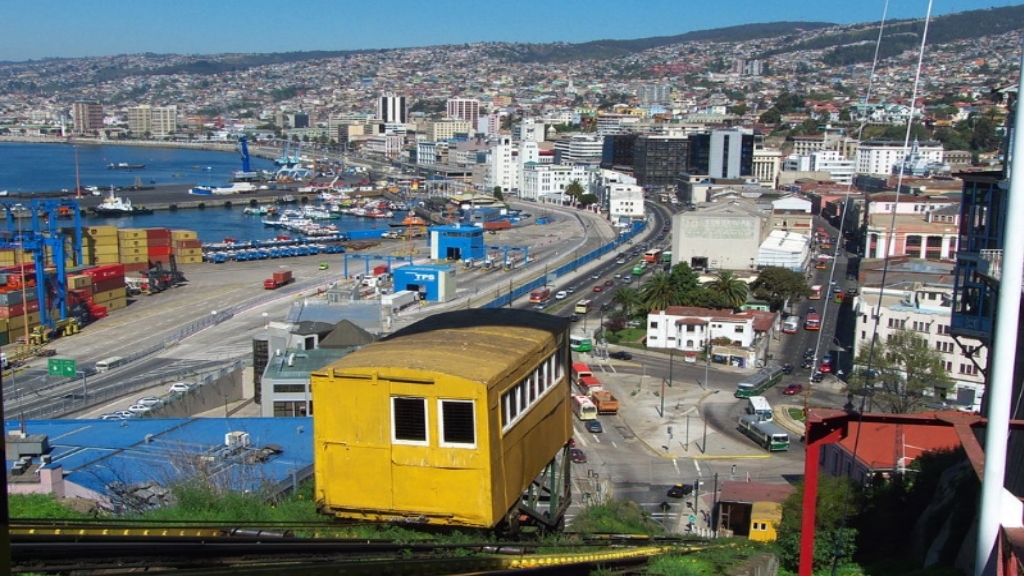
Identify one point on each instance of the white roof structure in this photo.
(785, 250)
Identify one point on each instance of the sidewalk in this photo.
(680, 432)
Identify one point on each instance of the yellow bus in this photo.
(583, 306)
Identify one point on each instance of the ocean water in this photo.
(47, 167)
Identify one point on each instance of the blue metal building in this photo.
(456, 242)
(433, 283)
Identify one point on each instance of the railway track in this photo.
(120, 548)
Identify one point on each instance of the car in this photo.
(540, 306)
(787, 368)
(598, 288)
(851, 291)
(620, 261)
(324, 266)
(561, 295)
(577, 456)
(680, 490)
(111, 416)
(661, 236)
(594, 426)
(666, 228)
(571, 290)
(809, 353)
(818, 376)
(627, 280)
(125, 414)
(179, 388)
(620, 355)
(595, 276)
(793, 388)
(807, 363)
(574, 318)
(609, 282)
(572, 442)
(139, 408)
(617, 276)
(605, 307)
(149, 401)
(812, 310)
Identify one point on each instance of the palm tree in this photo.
(659, 292)
(628, 299)
(732, 290)
(574, 190)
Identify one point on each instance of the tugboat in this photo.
(125, 166)
(411, 219)
(115, 206)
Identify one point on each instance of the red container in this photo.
(378, 270)
(159, 250)
(107, 285)
(136, 266)
(151, 242)
(152, 233)
(188, 244)
(97, 312)
(79, 295)
(19, 309)
(104, 272)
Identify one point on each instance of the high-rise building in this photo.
(722, 154)
(658, 160)
(392, 108)
(154, 121)
(87, 116)
(464, 109)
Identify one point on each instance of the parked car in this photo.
(826, 363)
(561, 295)
(149, 401)
(111, 416)
(793, 388)
(574, 318)
(809, 353)
(620, 355)
(680, 490)
(594, 426)
(139, 408)
(179, 387)
(807, 363)
(598, 288)
(818, 376)
(787, 368)
(125, 415)
(577, 456)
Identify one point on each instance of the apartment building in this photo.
(392, 108)
(923, 227)
(879, 156)
(467, 109)
(548, 181)
(157, 121)
(87, 116)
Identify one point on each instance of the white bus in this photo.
(791, 325)
(108, 363)
(759, 407)
(583, 408)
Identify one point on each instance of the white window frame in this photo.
(440, 423)
(426, 422)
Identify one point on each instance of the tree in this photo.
(777, 285)
(837, 498)
(731, 288)
(900, 371)
(684, 278)
(771, 116)
(588, 199)
(574, 190)
(497, 193)
(659, 292)
(628, 299)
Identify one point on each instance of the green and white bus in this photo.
(580, 343)
(767, 435)
(756, 384)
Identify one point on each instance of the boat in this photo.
(411, 219)
(230, 188)
(125, 166)
(116, 206)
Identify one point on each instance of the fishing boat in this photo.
(115, 206)
(411, 219)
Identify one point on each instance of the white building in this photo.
(767, 165)
(529, 130)
(580, 149)
(725, 236)
(782, 249)
(157, 121)
(503, 171)
(690, 329)
(548, 181)
(625, 202)
(878, 156)
(392, 108)
(389, 145)
(924, 309)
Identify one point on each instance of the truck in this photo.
(605, 401)
(399, 300)
(280, 278)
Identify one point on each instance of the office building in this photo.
(658, 160)
(152, 121)
(722, 154)
(464, 109)
(392, 108)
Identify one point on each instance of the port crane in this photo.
(45, 240)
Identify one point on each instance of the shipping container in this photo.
(280, 278)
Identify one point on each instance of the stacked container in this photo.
(186, 247)
(158, 245)
(19, 304)
(134, 247)
(99, 245)
(108, 289)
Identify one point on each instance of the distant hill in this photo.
(851, 46)
(607, 49)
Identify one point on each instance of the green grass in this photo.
(43, 506)
(796, 414)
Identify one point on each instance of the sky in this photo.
(69, 29)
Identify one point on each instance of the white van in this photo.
(4, 364)
(561, 295)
